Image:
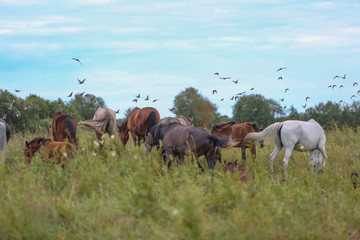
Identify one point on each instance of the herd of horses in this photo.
(177, 137)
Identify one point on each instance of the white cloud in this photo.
(5, 31)
(323, 5)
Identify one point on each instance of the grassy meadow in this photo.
(123, 193)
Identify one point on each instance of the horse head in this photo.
(34, 146)
(124, 133)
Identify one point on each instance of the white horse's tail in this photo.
(269, 132)
(3, 142)
(97, 125)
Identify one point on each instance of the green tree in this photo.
(191, 104)
(256, 108)
(84, 107)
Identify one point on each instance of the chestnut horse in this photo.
(237, 132)
(104, 121)
(180, 119)
(5, 135)
(56, 150)
(138, 123)
(62, 127)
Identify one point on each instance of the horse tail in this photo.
(97, 125)
(218, 126)
(70, 131)
(3, 141)
(151, 121)
(271, 131)
(221, 142)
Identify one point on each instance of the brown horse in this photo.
(237, 132)
(104, 121)
(235, 168)
(180, 119)
(62, 127)
(138, 123)
(59, 151)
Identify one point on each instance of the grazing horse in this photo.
(5, 135)
(180, 119)
(138, 123)
(237, 132)
(157, 133)
(178, 140)
(104, 121)
(298, 135)
(56, 150)
(64, 126)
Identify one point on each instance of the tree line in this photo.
(34, 112)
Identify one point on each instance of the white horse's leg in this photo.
(322, 150)
(286, 159)
(273, 155)
(278, 147)
(315, 159)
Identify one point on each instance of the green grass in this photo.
(123, 193)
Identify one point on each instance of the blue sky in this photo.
(158, 48)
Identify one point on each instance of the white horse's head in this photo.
(315, 159)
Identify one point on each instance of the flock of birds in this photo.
(332, 86)
(214, 91)
(237, 95)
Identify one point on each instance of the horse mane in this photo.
(254, 125)
(219, 126)
(38, 140)
(158, 131)
(151, 121)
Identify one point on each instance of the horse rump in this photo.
(3, 142)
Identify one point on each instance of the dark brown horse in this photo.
(180, 119)
(62, 127)
(59, 151)
(104, 121)
(138, 123)
(237, 133)
(178, 140)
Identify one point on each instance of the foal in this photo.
(59, 151)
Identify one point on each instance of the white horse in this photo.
(298, 135)
(4, 138)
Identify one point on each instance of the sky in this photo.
(159, 48)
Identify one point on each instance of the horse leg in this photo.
(243, 153)
(133, 136)
(273, 155)
(286, 159)
(218, 154)
(253, 151)
(322, 150)
(199, 165)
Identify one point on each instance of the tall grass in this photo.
(123, 193)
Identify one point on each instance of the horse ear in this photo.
(26, 143)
